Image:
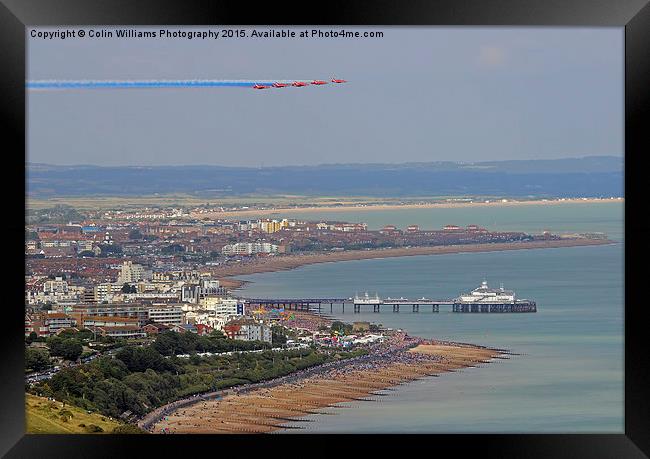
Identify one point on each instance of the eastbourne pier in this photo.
(318, 304)
(480, 300)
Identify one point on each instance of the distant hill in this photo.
(583, 177)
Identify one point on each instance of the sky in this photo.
(416, 94)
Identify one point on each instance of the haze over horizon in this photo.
(420, 94)
(594, 176)
(607, 158)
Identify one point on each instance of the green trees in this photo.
(69, 382)
(69, 343)
(31, 338)
(36, 359)
(172, 343)
(153, 388)
(107, 367)
(278, 335)
(109, 386)
(66, 415)
(71, 351)
(139, 378)
(217, 334)
(83, 334)
(166, 343)
(142, 358)
(68, 348)
(115, 397)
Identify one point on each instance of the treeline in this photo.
(36, 359)
(140, 378)
(67, 345)
(172, 343)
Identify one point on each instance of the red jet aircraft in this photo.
(299, 84)
(319, 82)
(279, 85)
(259, 86)
(334, 80)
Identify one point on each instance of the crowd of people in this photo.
(380, 355)
(307, 321)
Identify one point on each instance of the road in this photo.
(33, 378)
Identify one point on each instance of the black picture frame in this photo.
(633, 15)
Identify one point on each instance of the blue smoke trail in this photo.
(96, 84)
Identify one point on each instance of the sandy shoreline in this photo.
(380, 207)
(267, 410)
(281, 263)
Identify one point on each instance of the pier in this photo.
(395, 304)
(307, 304)
(298, 304)
(524, 306)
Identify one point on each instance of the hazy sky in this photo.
(417, 94)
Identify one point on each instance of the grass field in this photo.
(44, 417)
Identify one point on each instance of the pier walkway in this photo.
(307, 304)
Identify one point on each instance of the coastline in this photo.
(268, 409)
(280, 405)
(380, 207)
(281, 263)
(361, 203)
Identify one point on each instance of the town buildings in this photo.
(126, 273)
(249, 248)
(248, 330)
(132, 272)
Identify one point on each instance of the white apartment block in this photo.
(222, 306)
(150, 296)
(169, 315)
(54, 298)
(249, 248)
(193, 293)
(131, 272)
(258, 332)
(58, 285)
(250, 331)
(106, 291)
(207, 318)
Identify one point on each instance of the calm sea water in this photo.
(569, 374)
(530, 218)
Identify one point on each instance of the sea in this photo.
(567, 375)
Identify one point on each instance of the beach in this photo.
(285, 262)
(267, 409)
(369, 207)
